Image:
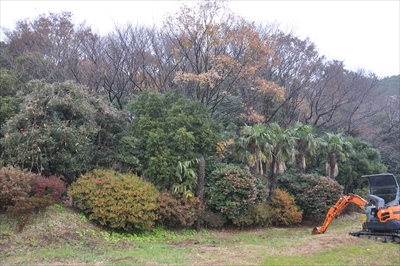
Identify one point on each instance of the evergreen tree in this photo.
(168, 129)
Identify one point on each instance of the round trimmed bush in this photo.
(120, 201)
(314, 194)
(231, 190)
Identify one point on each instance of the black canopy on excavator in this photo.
(382, 180)
(384, 186)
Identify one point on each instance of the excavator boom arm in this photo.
(334, 211)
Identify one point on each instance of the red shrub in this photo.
(52, 186)
(175, 210)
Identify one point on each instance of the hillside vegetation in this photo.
(208, 122)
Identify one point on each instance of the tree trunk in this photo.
(300, 160)
(272, 182)
(333, 172)
(265, 175)
(274, 170)
(200, 187)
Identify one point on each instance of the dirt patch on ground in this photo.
(216, 255)
(323, 242)
(211, 254)
(286, 242)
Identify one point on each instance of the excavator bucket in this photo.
(318, 230)
(315, 231)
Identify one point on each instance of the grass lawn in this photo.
(61, 236)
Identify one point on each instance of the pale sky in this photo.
(363, 34)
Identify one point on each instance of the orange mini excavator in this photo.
(382, 210)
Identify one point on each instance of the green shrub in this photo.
(231, 190)
(120, 201)
(14, 186)
(176, 210)
(260, 214)
(314, 194)
(362, 192)
(52, 186)
(213, 219)
(363, 160)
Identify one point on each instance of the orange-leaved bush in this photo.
(120, 201)
(284, 209)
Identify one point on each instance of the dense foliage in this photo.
(363, 160)
(147, 100)
(231, 190)
(120, 201)
(60, 130)
(284, 209)
(280, 211)
(386, 136)
(169, 129)
(23, 193)
(314, 194)
(266, 146)
(213, 219)
(9, 101)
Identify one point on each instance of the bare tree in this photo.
(214, 50)
(47, 47)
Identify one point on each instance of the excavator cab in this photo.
(385, 187)
(384, 201)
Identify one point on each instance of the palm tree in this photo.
(261, 146)
(306, 141)
(334, 145)
(279, 147)
(250, 145)
(187, 178)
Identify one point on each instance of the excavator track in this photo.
(378, 236)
